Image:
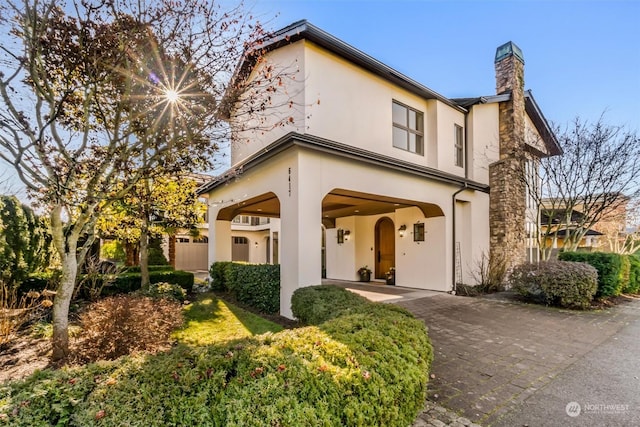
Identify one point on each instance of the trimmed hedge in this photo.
(609, 268)
(367, 367)
(129, 282)
(633, 287)
(136, 268)
(322, 303)
(257, 285)
(561, 283)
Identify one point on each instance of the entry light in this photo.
(347, 234)
(402, 229)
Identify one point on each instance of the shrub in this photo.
(257, 285)
(490, 274)
(634, 275)
(136, 268)
(609, 269)
(321, 303)
(366, 368)
(156, 257)
(561, 283)
(217, 272)
(40, 281)
(165, 290)
(16, 311)
(122, 324)
(129, 282)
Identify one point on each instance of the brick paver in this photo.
(492, 354)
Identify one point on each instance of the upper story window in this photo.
(459, 147)
(408, 128)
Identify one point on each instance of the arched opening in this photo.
(385, 247)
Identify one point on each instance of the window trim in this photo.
(408, 129)
(459, 152)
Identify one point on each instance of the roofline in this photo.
(305, 30)
(294, 139)
(541, 123)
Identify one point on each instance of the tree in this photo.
(24, 241)
(597, 173)
(153, 208)
(621, 229)
(99, 95)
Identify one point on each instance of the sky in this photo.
(582, 58)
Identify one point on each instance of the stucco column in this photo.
(300, 237)
(219, 238)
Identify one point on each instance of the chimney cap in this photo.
(509, 49)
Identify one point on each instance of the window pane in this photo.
(419, 144)
(412, 142)
(420, 122)
(399, 114)
(412, 119)
(399, 138)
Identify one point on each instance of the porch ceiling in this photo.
(266, 205)
(340, 203)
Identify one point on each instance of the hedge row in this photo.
(366, 367)
(616, 273)
(257, 285)
(561, 283)
(136, 268)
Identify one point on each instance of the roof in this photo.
(532, 109)
(305, 30)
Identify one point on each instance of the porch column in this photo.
(219, 238)
(300, 238)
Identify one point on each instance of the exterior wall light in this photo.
(347, 234)
(402, 230)
(340, 236)
(418, 232)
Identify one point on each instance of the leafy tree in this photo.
(595, 176)
(99, 95)
(24, 241)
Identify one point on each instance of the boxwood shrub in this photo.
(608, 265)
(633, 286)
(129, 282)
(561, 283)
(318, 304)
(367, 367)
(136, 268)
(257, 285)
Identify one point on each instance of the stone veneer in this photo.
(508, 192)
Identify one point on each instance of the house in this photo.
(380, 170)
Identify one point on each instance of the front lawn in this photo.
(209, 320)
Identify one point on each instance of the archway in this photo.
(385, 247)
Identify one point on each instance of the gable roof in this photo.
(533, 111)
(305, 30)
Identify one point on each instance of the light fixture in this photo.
(418, 232)
(402, 229)
(340, 236)
(347, 234)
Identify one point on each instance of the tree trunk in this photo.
(172, 250)
(61, 303)
(144, 252)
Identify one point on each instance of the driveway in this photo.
(504, 363)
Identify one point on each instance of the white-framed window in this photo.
(408, 128)
(459, 145)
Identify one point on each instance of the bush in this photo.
(321, 303)
(136, 268)
(561, 283)
(217, 272)
(17, 310)
(165, 290)
(609, 270)
(156, 257)
(123, 324)
(634, 275)
(257, 285)
(40, 281)
(129, 282)
(366, 368)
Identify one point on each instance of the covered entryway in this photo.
(385, 248)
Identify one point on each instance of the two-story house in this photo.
(380, 170)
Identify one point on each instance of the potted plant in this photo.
(365, 274)
(391, 276)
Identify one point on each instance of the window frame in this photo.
(417, 132)
(459, 152)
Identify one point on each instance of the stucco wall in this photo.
(483, 140)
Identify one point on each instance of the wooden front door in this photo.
(385, 247)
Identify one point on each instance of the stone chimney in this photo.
(508, 192)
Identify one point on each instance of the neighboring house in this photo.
(380, 170)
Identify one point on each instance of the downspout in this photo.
(453, 208)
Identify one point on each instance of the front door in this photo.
(385, 247)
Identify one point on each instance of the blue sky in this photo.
(582, 58)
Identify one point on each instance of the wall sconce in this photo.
(347, 234)
(418, 232)
(402, 229)
(340, 236)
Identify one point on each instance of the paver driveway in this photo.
(491, 355)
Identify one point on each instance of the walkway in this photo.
(495, 358)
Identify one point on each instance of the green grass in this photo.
(209, 320)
